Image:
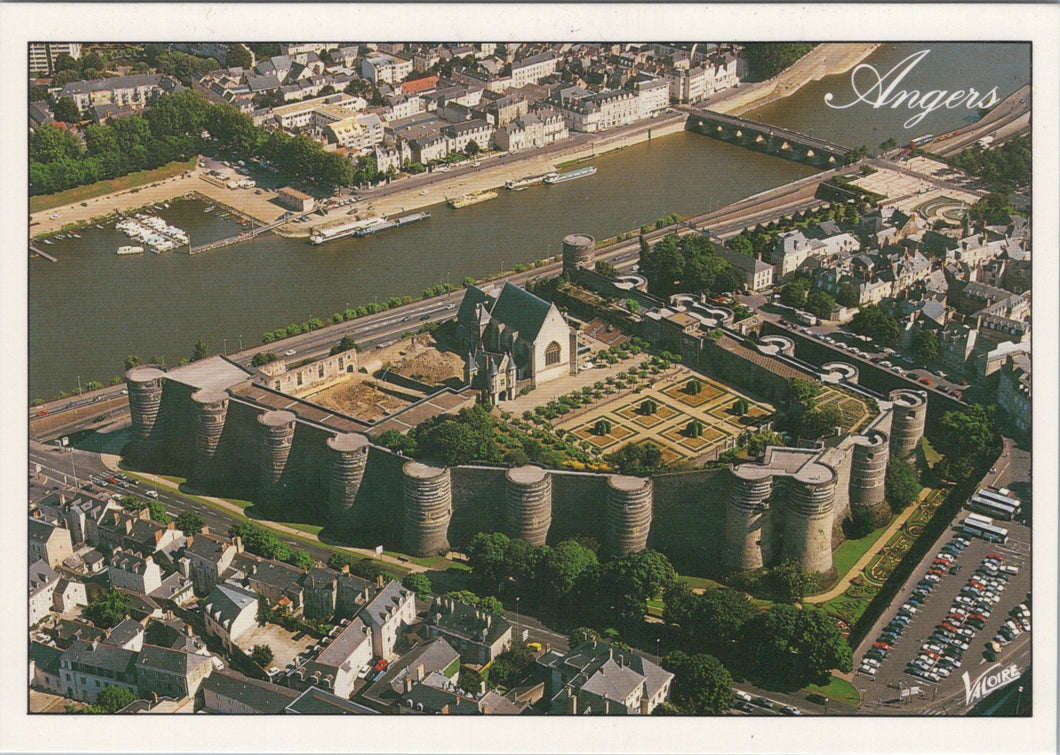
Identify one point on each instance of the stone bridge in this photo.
(765, 137)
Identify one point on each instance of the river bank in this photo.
(417, 192)
(824, 60)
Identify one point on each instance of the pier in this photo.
(765, 137)
(245, 235)
(42, 253)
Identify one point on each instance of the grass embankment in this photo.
(176, 483)
(847, 554)
(122, 183)
(837, 689)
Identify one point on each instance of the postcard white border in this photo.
(472, 22)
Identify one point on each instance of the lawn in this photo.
(837, 689)
(847, 554)
(81, 193)
(931, 456)
(312, 529)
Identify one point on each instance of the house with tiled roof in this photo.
(86, 668)
(341, 659)
(426, 658)
(42, 583)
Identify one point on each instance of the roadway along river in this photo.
(91, 308)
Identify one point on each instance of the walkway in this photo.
(111, 461)
(842, 585)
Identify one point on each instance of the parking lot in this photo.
(881, 692)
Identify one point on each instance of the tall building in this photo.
(42, 55)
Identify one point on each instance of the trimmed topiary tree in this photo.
(602, 427)
(694, 429)
(693, 387)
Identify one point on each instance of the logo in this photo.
(878, 91)
(988, 682)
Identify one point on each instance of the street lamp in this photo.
(517, 599)
(658, 640)
(224, 346)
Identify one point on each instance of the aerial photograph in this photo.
(540, 378)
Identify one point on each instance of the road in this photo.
(60, 466)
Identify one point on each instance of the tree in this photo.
(633, 580)
(874, 322)
(66, 110)
(472, 148)
(803, 389)
(901, 484)
(263, 357)
(605, 268)
(563, 565)
(702, 685)
(741, 406)
(797, 646)
(512, 666)
(238, 56)
(791, 582)
(107, 609)
(189, 522)
(848, 294)
(926, 346)
(491, 604)
(767, 59)
(581, 635)
(820, 303)
(757, 442)
(346, 344)
(259, 541)
(200, 351)
(419, 583)
(132, 360)
(637, 460)
(966, 438)
(794, 293)
(113, 698)
(300, 559)
(261, 655)
(817, 422)
(861, 522)
(487, 553)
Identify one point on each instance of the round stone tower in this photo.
(578, 251)
(528, 503)
(276, 437)
(808, 524)
(868, 470)
(347, 459)
(428, 493)
(907, 424)
(145, 385)
(211, 409)
(629, 503)
(748, 544)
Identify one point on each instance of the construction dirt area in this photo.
(371, 397)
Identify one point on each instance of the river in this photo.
(92, 308)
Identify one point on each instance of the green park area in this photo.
(122, 183)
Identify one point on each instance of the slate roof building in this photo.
(514, 339)
(595, 678)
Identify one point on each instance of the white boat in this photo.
(99, 226)
(130, 250)
(47, 242)
(75, 235)
(588, 170)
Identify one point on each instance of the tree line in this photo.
(176, 127)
